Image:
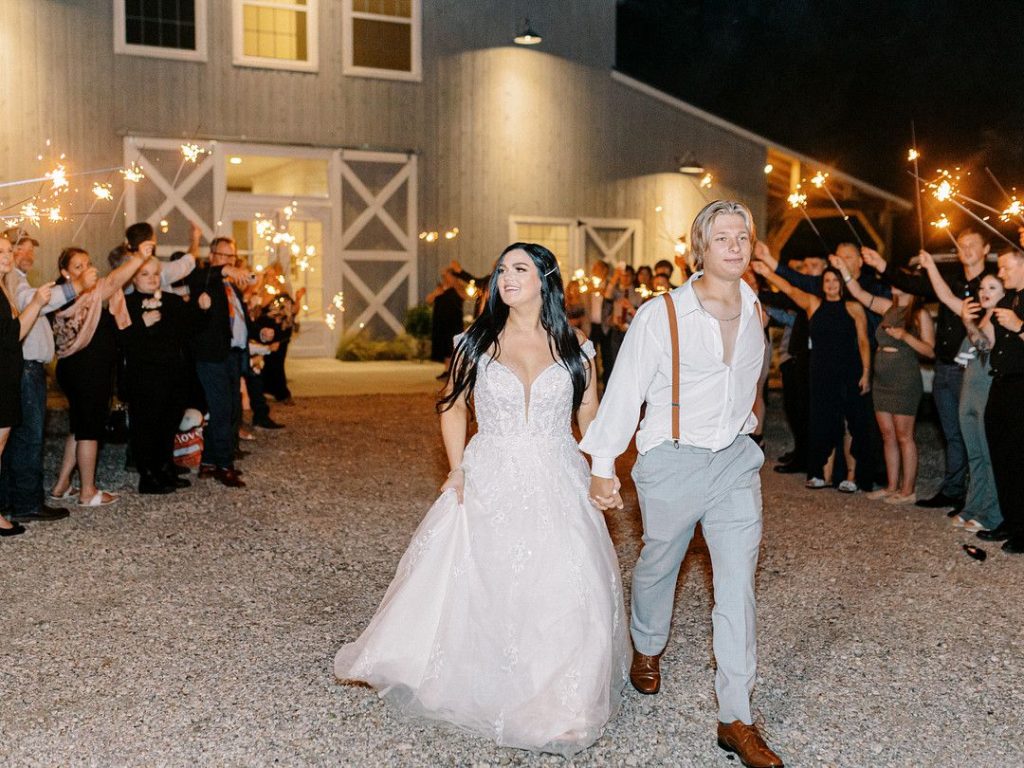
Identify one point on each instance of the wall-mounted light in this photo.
(235, 160)
(688, 166)
(527, 35)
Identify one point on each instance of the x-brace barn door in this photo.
(376, 222)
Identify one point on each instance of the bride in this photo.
(505, 616)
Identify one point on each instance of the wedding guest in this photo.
(905, 333)
(576, 307)
(972, 250)
(261, 339)
(840, 375)
(280, 316)
(600, 315)
(1004, 414)
(14, 326)
(220, 347)
(981, 508)
(156, 377)
(21, 475)
(445, 319)
(85, 339)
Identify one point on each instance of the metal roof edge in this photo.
(755, 138)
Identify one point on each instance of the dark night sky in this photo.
(841, 81)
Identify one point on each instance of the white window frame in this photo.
(348, 67)
(121, 44)
(239, 59)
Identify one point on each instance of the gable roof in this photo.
(755, 138)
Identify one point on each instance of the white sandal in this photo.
(68, 496)
(98, 500)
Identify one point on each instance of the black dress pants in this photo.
(795, 403)
(1004, 431)
(835, 400)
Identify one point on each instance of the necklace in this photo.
(719, 319)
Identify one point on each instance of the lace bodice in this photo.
(505, 407)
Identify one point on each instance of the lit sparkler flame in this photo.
(819, 179)
(133, 173)
(339, 301)
(941, 223)
(53, 215)
(705, 181)
(913, 154)
(797, 199)
(58, 178)
(471, 289)
(102, 191)
(192, 152)
(330, 320)
(30, 212)
(943, 191)
(1014, 209)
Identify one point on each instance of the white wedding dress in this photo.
(505, 616)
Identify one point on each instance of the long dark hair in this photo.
(844, 295)
(483, 335)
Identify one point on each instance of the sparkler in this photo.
(945, 191)
(818, 180)
(912, 156)
(943, 223)
(1014, 208)
(330, 320)
(58, 179)
(30, 213)
(339, 301)
(798, 199)
(102, 191)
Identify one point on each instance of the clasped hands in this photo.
(604, 492)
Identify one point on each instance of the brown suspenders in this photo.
(673, 330)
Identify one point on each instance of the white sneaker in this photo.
(814, 483)
(958, 522)
(881, 493)
(973, 526)
(847, 486)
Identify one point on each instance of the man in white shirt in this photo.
(708, 474)
(21, 474)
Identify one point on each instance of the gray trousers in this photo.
(678, 488)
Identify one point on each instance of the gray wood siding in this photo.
(499, 129)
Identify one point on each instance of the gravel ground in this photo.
(200, 629)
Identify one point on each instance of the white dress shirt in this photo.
(715, 399)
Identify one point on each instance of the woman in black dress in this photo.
(156, 377)
(840, 376)
(14, 326)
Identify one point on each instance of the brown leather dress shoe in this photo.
(228, 476)
(645, 673)
(748, 745)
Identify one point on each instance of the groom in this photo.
(696, 463)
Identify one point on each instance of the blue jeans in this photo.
(221, 382)
(21, 476)
(946, 387)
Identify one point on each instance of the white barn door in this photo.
(612, 240)
(377, 242)
(175, 190)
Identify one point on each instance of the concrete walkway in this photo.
(326, 377)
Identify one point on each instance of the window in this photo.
(278, 34)
(382, 38)
(557, 235)
(170, 29)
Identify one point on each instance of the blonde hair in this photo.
(700, 232)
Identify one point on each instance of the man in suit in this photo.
(220, 345)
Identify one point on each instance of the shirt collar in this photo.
(686, 297)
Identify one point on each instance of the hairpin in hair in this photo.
(553, 269)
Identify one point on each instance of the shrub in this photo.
(362, 348)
